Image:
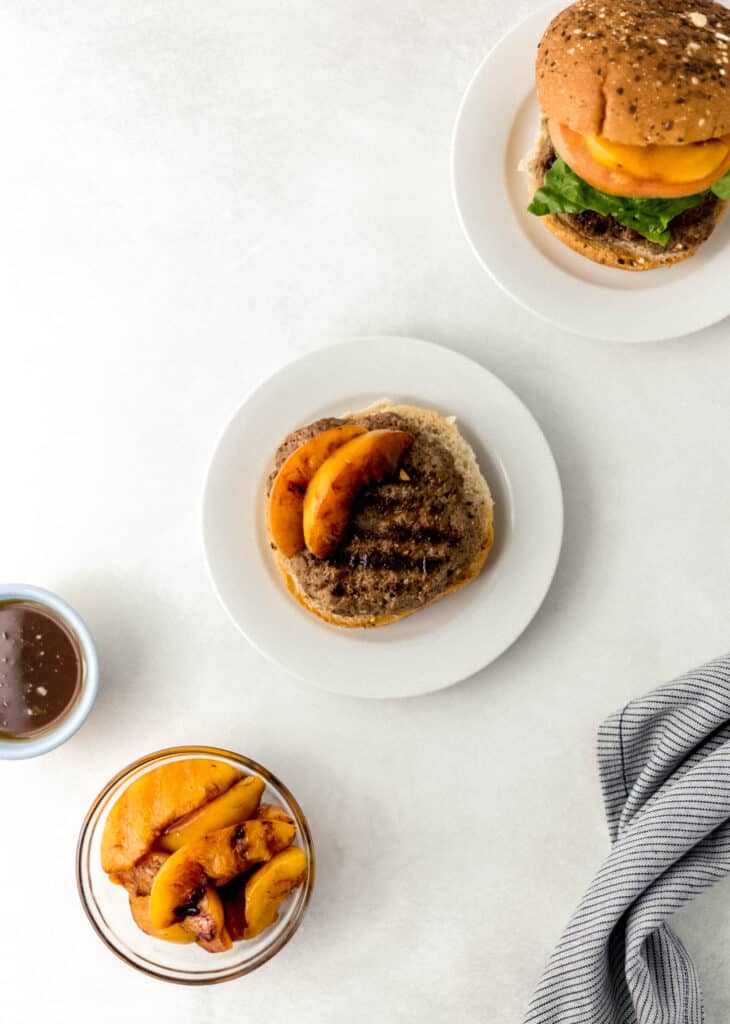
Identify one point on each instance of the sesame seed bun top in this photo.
(638, 71)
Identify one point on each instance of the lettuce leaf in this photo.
(564, 192)
(721, 188)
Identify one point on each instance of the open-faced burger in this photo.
(377, 514)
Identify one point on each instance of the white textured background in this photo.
(192, 194)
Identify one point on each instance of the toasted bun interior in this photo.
(638, 73)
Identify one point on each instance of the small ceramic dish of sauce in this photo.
(49, 671)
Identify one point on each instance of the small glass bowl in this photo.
(107, 904)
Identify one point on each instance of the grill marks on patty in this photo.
(688, 230)
(408, 540)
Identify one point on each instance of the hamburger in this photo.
(632, 166)
(374, 515)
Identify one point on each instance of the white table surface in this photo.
(192, 194)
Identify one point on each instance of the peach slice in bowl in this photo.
(168, 860)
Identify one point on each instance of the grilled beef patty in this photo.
(408, 541)
(688, 230)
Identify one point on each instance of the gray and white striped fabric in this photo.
(665, 772)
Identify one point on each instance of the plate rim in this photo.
(549, 466)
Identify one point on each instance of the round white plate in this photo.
(441, 644)
(496, 127)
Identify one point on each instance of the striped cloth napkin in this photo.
(665, 772)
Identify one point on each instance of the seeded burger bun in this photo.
(642, 75)
(412, 539)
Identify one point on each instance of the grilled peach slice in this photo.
(366, 460)
(215, 858)
(269, 886)
(272, 812)
(140, 907)
(138, 882)
(154, 801)
(237, 804)
(286, 500)
(234, 906)
(205, 921)
(233, 894)
(138, 879)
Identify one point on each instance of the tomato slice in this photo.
(571, 146)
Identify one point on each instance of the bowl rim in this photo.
(19, 749)
(83, 881)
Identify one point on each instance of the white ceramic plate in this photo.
(496, 127)
(455, 637)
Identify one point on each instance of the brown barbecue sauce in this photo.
(41, 669)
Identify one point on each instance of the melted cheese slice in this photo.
(642, 172)
(675, 164)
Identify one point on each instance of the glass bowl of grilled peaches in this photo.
(195, 865)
